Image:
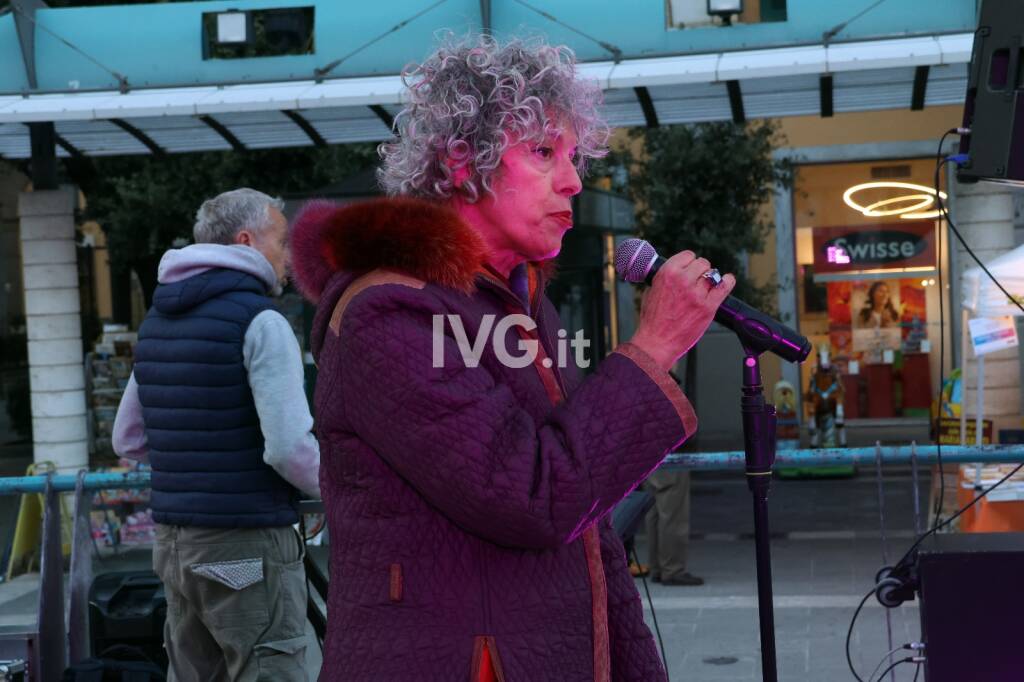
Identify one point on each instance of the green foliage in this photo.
(148, 204)
(702, 187)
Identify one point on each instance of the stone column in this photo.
(984, 214)
(56, 370)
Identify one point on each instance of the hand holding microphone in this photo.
(636, 261)
(678, 308)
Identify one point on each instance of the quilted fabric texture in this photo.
(237, 575)
(474, 484)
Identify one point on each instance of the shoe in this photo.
(638, 570)
(686, 579)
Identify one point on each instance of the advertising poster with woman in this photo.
(868, 317)
(876, 314)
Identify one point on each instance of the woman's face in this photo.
(531, 208)
(880, 296)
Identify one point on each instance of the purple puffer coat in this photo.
(469, 506)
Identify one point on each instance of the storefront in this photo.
(868, 274)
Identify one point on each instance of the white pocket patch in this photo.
(237, 575)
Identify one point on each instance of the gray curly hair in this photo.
(475, 97)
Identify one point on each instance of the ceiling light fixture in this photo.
(924, 198)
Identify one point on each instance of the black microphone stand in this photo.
(759, 444)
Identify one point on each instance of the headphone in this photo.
(895, 585)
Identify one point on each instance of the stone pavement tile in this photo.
(725, 623)
(790, 623)
(790, 664)
(718, 667)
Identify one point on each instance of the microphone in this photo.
(636, 261)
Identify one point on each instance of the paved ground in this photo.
(826, 550)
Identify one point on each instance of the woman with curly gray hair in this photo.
(468, 470)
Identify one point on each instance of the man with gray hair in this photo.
(216, 405)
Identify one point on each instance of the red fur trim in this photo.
(420, 238)
(548, 268)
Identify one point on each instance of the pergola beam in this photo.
(222, 130)
(736, 101)
(311, 132)
(650, 113)
(383, 115)
(142, 137)
(825, 87)
(920, 88)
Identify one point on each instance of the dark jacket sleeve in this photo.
(459, 437)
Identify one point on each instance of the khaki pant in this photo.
(668, 523)
(236, 603)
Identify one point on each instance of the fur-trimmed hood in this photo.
(419, 238)
(422, 239)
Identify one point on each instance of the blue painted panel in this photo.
(12, 68)
(638, 27)
(160, 44)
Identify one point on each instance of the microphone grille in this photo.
(633, 260)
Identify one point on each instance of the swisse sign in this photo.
(875, 247)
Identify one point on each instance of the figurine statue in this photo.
(825, 424)
(787, 421)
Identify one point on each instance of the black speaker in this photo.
(128, 608)
(971, 606)
(994, 107)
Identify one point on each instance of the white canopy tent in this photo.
(982, 298)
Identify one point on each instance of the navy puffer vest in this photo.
(202, 429)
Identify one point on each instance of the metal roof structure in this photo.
(901, 73)
(139, 79)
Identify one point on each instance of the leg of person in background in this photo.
(668, 528)
(841, 425)
(637, 570)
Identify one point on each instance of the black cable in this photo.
(942, 332)
(908, 659)
(832, 32)
(309, 591)
(616, 52)
(917, 672)
(319, 73)
(887, 656)
(960, 238)
(955, 516)
(849, 633)
(654, 616)
(943, 212)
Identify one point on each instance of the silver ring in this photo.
(713, 276)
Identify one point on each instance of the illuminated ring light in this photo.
(925, 198)
(924, 201)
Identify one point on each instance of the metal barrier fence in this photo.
(57, 643)
(703, 461)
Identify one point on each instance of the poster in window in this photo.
(876, 314)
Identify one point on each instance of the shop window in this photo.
(258, 33)
(687, 14)
(867, 255)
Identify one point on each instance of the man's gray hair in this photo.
(219, 219)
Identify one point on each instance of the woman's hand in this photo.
(678, 308)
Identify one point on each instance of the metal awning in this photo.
(905, 73)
